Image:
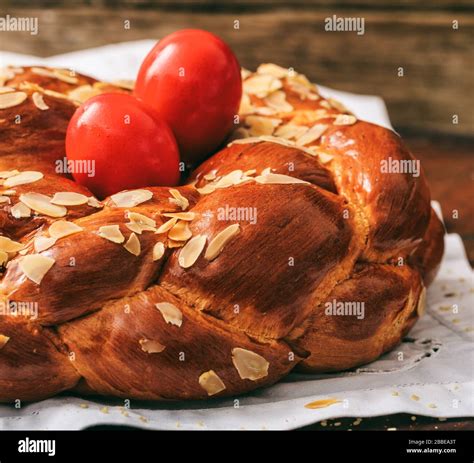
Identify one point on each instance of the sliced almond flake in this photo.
(131, 198)
(420, 308)
(23, 178)
(20, 211)
(3, 340)
(302, 91)
(42, 204)
(220, 240)
(277, 101)
(325, 157)
(261, 85)
(264, 111)
(266, 171)
(345, 119)
(42, 243)
(133, 245)
(111, 233)
(134, 227)
(244, 179)
(158, 251)
(4, 199)
(176, 244)
(278, 140)
(210, 175)
(55, 94)
(127, 84)
(245, 105)
(250, 172)
(188, 216)
(229, 179)
(83, 93)
(39, 101)
(273, 70)
(143, 222)
(151, 347)
(244, 141)
(303, 80)
(62, 228)
(191, 251)
(259, 125)
(279, 179)
(206, 189)
(9, 173)
(211, 383)
(325, 104)
(7, 89)
(30, 86)
(291, 131)
(244, 73)
(249, 365)
(171, 313)
(180, 232)
(168, 225)
(3, 258)
(5, 75)
(69, 198)
(8, 245)
(8, 192)
(35, 266)
(10, 100)
(61, 74)
(178, 199)
(337, 105)
(94, 202)
(313, 134)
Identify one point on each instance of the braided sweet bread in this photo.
(219, 286)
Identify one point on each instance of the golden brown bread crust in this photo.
(281, 225)
(390, 295)
(200, 344)
(428, 255)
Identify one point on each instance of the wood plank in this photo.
(437, 81)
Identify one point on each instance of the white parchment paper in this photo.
(431, 373)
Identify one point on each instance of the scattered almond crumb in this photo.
(391, 429)
(395, 393)
(432, 406)
(413, 418)
(338, 423)
(414, 397)
(83, 405)
(324, 423)
(142, 418)
(105, 410)
(357, 422)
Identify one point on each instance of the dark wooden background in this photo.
(416, 35)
